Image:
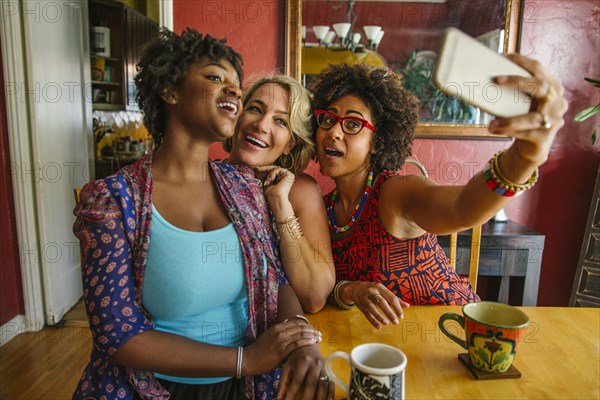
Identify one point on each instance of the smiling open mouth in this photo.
(227, 106)
(256, 142)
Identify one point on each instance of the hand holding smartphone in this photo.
(465, 68)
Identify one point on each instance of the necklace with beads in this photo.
(357, 209)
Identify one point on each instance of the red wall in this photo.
(11, 290)
(563, 35)
(253, 28)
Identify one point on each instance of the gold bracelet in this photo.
(292, 226)
(506, 183)
(337, 298)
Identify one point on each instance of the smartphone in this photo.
(465, 68)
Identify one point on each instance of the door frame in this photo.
(19, 128)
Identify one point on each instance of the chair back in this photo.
(475, 241)
(473, 254)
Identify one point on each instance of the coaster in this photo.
(512, 372)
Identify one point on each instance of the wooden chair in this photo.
(76, 194)
(473, 257)
(475, 241)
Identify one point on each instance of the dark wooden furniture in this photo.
(586, 287)
(105, 168)
(508, 250)
(130, 30)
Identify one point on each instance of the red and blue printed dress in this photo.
(417, 270)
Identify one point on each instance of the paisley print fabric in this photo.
(113, 225)
(417, 270)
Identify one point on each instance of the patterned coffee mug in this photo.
(377, 372)
(492, 330)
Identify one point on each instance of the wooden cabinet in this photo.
(113, 87)
(586, 287)
(139, 30)
(510, 252)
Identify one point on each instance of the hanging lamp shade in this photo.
(320, 31)
(341, 29)
(371, 32)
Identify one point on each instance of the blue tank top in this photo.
(194, 286)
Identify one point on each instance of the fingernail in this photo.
(500, 79)
(385, 321)
(396, 322)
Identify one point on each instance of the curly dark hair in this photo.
(164, 63)
(395, 110)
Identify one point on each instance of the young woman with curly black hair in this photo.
(182, 279)
(383, 224)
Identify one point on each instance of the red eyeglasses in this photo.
(350, 125)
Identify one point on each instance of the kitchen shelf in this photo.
(107, 106)
(130, 30)
(106, 83)
(106, 58)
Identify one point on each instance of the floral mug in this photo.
(493, 331)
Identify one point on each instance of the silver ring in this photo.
(546, 124)
(284, 170)
(324, 378)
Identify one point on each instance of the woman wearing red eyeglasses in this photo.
(383, 224)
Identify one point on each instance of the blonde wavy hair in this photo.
(300, 120)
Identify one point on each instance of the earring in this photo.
(291, 162)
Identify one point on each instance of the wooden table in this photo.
(559, 357)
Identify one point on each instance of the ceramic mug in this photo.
(492, 331)
(376, 372)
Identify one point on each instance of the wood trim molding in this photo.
(165, 13)
(293, 32)
(12, 328)
(17, 111)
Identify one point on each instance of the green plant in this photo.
(435, 104)
(590, 111)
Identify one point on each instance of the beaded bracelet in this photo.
(338, 300)
(503, 186)
(292, 226)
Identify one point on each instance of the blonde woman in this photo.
(273, 136)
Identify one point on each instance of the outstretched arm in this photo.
(445, 209)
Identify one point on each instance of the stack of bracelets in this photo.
(336, 296)
(292, 226)
(502, 185)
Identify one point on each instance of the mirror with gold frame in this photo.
(413, 32)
